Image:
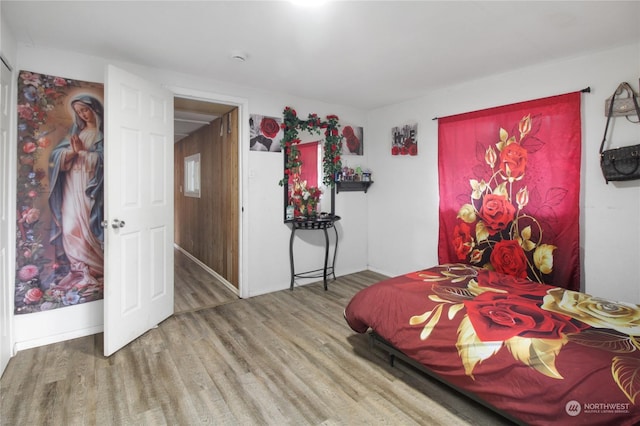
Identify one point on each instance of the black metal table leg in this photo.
(335, 252)
(326, 256)
(314, 224)
(293, 274)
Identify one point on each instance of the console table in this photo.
(316, 224)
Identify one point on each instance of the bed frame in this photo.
(375, 341)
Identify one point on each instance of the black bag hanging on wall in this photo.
(620, 164)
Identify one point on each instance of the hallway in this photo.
(195, 288)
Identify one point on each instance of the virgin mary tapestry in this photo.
(509, 180)
(59, 238)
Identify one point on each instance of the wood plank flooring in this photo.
(284, 358)
(196, 288)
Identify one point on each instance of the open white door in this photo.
(138, 207)
(6, 284)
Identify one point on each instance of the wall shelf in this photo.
(347, 185)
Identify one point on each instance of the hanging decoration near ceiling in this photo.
(59, 239)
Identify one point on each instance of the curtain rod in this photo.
(585, 90)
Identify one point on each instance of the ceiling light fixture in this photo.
(309, 3)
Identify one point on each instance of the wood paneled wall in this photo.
(208, 227)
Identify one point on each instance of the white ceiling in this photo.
(363, 54)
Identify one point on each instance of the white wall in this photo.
(403, 203)
(394, 227)
(267, 255)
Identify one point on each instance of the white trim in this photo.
(43, 328)
(243, 161)
(208, 270)
(56, 338)
(8, 168)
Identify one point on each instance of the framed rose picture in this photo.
(265, 133)
(404, 140)
(353, 140)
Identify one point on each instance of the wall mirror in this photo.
(312, 150)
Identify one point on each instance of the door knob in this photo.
(117, 224)
(104, 223)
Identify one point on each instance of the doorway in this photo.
(207, 221)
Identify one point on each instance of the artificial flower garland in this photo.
(331, 163)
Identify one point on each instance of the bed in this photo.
(535, 353)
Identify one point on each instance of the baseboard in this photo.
(42, 341)
(380, 271)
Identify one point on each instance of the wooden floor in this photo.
(196, 288)
(285, 358)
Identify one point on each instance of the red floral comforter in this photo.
(539, 353)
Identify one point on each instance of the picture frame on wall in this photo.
(353, 139)
(404, 140)
(265, 133)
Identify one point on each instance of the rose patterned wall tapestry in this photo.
(509, 180)
(59, 206)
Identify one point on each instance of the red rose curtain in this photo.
(509, 180)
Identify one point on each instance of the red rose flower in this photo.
(44, 142)
(413, 149)
(25, 112)
(508, 258)
(462, 240)
(269, 127)
(487, 278)
(347, 131)
(395, 150)
(497, 212)
(33, 295)
(513, 157)
(59, 81)
(353, 143)
(29, 147)
(497, 317)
